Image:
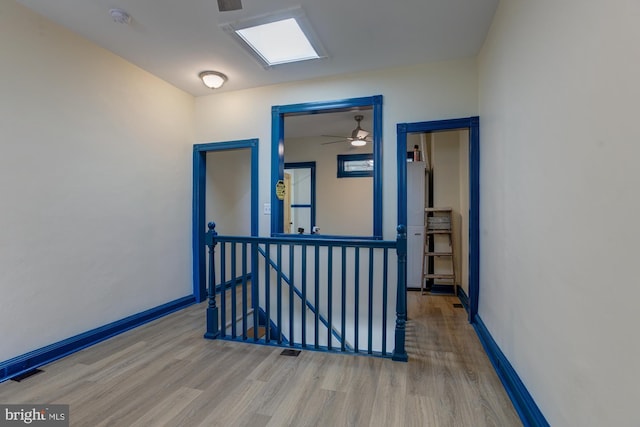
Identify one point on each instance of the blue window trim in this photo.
(312, 166)
(473, 125)
(278, 113)
(342, 158)
(199, 221)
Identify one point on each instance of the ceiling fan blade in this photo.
(332, 142)
(229, 5)
(335, 136)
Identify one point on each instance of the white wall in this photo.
(464, 193)
(428, 92)
(559, 213)
(228, 191)
(95, 185)
(447, 193)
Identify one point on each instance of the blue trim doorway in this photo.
(472, 124)
(199, 221)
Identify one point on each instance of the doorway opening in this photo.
(459, 140)
(299, 210)
(225, 190)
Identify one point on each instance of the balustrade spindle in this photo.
(291, 305)
(279, 295)
(232, 287)
(329, 295)
(343, 304)
(316, 295)
(267, 294)
(399, 352)
(244, 291)
(223, 290)
(213, 331)
(370, 307)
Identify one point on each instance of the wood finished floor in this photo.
(165, 374)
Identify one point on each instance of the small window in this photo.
(355, 165)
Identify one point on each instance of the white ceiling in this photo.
(338, 125)
(176, 39)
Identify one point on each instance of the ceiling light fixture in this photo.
(212, 79)
(120, 16)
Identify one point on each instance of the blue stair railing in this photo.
(308, 293)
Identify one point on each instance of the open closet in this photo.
(438, 211)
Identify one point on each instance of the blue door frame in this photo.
(199, 226)
(473, 125)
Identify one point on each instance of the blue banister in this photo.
(399, 352)
(294, 290)
(213, 331)
(360, 292)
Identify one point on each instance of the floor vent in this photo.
(26, 375)
(289, 352)
(458, 305)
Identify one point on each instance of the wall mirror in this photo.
(319, 201)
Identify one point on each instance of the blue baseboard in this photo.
(464, 299)
(522, 401)
(441, 289)
(28, 361)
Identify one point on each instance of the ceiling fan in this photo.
(358, 138)
(229, 5)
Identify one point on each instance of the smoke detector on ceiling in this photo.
(120, 16)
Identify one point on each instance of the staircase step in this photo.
(438, 276)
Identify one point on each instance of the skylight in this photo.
(279, 38)
(279, 42)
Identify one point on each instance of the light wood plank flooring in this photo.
(165, 374)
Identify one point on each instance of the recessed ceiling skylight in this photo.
(278, 38)
(279, 42)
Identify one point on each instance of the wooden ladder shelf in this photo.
(438, 222)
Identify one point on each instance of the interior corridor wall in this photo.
(558, 87)
(228, 191)
(411, 94)
(445, 152)
(95, 184)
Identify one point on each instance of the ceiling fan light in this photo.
(360, 134)
(358, 142)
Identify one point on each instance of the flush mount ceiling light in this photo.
(212, 79)
(279, 38)
(120, 16)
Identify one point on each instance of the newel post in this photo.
(213, 331)
(399, 352)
